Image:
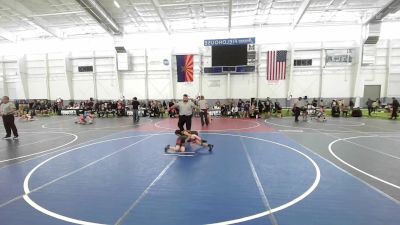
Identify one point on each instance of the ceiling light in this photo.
(116, 4)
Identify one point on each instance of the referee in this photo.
(185, 108)
(7, 110)
(203, 111)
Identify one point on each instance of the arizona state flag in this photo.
(184, 67)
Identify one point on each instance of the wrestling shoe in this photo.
(166, 148)
(210, 146)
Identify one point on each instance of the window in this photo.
(303, 62)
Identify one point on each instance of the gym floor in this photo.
(343, 171)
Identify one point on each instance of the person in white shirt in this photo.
(185, 112)
(7, 110)
(297, 109)
(203, 111)
(235, 112)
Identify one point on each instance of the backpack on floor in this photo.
(356, 113)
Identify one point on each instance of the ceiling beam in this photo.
(8, 35)
(339, 9)
(161, 15)
(37, 22)
(230, 15)
(58, 14)
(194, 3)
(101, 15)
(390, 7)
(300, 12)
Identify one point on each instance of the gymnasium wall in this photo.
(48, 69)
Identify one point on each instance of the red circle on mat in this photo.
(217, 124)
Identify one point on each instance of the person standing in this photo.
(7, 110)
(59, 105)
(240, 106)
(203, 111)
(351, 104)
(278, 108)
(369, 105)
(185, 108)
(268, 108)
(296, 109)
(395, 107)
(260, 106)
(135, 110)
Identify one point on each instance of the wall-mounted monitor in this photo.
(229, 55)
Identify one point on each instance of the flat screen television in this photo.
(230, 55)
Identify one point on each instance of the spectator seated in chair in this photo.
(120, 109)
(145, 112)
(345, 110)
(254, 111)
(111, 109)
(162, 111)
(45, 112)
(235, 112)
(102, 110)
(335, 111)
(224, 110)
(154, 112)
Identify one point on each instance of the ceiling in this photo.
(33, 19)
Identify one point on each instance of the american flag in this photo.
(276, 65)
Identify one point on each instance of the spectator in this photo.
(120, 108)
(375, 106)
(278, 109)
(260, 106)
(171, 109)
(378, 101)
(254, 113)
(335, 109)
(296, 109)
(90, 104)
(247, 109)
(224, 110)
(235, 112)
(395, 108)
(369, 105)
(135, 110)
(268, 108)
(218, 103)
(344, 109)
(351, 104)
(314, 103)
(240, 106)
(196, 110)
(333, 103)
(161, 109)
